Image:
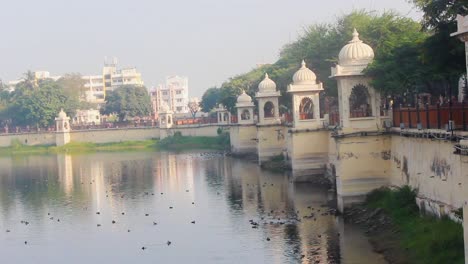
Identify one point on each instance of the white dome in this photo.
(267, 85)
(244, 98)
(356, 52)
(304, 75)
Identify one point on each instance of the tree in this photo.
(209, 99)
(194, 107)
(41, 106)
(442, 55)
(319, 46)
(127, 102)
(440, 12)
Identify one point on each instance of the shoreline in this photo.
(173, 143)
(74, 147)
(398, 230)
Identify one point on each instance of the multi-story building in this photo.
(110, 79)
(174, 93)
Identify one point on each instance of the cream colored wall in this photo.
(362, 166)
(243, 139)
(308, 153)
(28, 139)
(199, 131)
(271, 141)
(465, 230)
(114, 135)
(432, 168)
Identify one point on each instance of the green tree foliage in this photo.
(426, 61)
(127, 102)
(440, 12)
(319, 46)
(209, 99)
(40, 106)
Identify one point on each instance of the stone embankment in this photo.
(382, 232)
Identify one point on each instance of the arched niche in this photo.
(306, 109)
(269, 110)
(360, 102)
(245, 114)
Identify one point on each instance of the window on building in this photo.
(179, 100)
(178, 92)
(179, 108)
(164, 93)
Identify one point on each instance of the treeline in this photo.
(36, 103)
(410, 56)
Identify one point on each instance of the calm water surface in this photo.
(64, 198)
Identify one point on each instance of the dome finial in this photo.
(266, 75)
(355, 36)
(303, 64)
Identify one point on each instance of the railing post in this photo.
(428, 125)
(463, 115)
(438, 116)
(401, 114)
(418, 119)
(409, 118)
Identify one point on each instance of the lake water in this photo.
(64, 206)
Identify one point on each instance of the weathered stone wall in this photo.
(308, 153)
(271, 141)
(114, 135)
(432, 168)
(193, 131)
(243, 139)
(465, 230)
(32, 139)
(362, 165)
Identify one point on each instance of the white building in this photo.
(174, 93)
(111, 79)
(87, 117)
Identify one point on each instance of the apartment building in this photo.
(111, 79)
(174, 93)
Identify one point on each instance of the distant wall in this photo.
(31, 139)
(114, 135)
(193, 131)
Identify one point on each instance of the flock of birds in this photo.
(52, 218)
(277, 218)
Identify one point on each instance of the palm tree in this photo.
(30, 80)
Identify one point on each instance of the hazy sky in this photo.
(205, 40)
